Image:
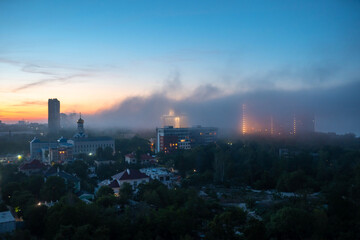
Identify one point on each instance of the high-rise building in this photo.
(244, 119)
(54, 116)
(303, 124)
(176, 121)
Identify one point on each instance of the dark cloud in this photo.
(206, 92)
(335, 109)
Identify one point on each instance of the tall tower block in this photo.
(294, 125)
(54, 116)
(244, 120)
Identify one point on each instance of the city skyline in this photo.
(108, 59)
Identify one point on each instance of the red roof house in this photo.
(132, 176)
(33, 167)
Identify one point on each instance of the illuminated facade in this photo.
(303, 124)
(200, 136)
(261, 122)
(61, 154)
(170, 139)
(176, 121)
(51, 151)
(244, 118)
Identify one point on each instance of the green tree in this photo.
(227, 225)
(34, 218)
(106, 201)
(104, 191)
(53, 189)
(21, 200)
(8, 190)
(34, 184)
(78, 167)
(291, 223)
(126, 192)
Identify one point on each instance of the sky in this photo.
(127, 62)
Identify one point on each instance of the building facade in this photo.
(143, 159)
(169, 139)
(131, 176)
(90, 145)
(177, 121)
(200, 136)
(63, 150)
(54, 116)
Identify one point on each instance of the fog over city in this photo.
(180, 119)
(336, 108)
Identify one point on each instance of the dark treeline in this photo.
(329, 168)
(15, 144)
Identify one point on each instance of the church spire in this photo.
(80, 127)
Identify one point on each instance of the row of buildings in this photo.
(63, 150)
(36, 167)
(255, 122)
(135, 177)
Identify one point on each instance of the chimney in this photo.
(128, 171)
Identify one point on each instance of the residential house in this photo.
(144, 159)
(132, 176)
(32, 167)
(68, 178)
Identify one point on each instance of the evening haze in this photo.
(125, 63)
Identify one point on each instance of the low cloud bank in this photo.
(335, 109)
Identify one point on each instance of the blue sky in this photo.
(103, 52)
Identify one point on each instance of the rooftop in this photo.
(130, 174)
(6, 217)
(34, 164)
(142, 157)
(55, 172)
(93, 139)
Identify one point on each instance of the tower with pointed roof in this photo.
(80, 127)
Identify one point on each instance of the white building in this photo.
(90, 145)
(84, 144)
(132, 176)
(160, 174)
(144, 159)
(80, 144)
